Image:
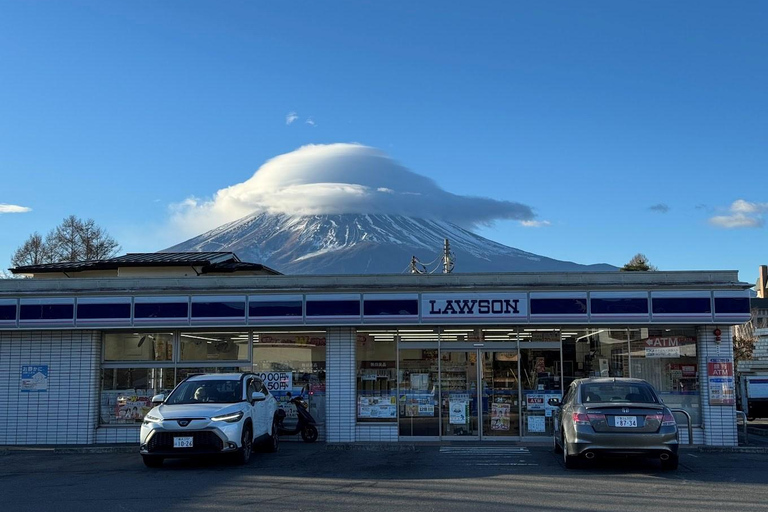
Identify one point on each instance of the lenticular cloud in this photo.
(337, 179)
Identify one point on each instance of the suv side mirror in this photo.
(554, 402)
(158, 399)
(258, 397)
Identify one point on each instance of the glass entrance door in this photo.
(459, 394)
(541, 380)
(500, 395)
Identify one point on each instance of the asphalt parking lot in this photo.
(303, 477)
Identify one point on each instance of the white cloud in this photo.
(291, 117)
(336, 179)
(742, 206)
(743, 214)
(310, 122)
(12, 208)
(535, 223)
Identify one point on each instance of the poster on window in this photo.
(277, 381)
(720, 377)
(537, 424)
(500, 416)
(132, 408)
(458, 412)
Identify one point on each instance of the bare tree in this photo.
(33, 252)
(72, 240)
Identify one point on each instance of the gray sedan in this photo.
(614, 416)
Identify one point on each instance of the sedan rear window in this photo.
(617, 392)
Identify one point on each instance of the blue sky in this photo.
(626, 127)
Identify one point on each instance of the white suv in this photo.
(223, 413)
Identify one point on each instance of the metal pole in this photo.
(746, 434)
(690, 425)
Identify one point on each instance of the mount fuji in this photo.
(366, 244)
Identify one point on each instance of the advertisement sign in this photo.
(683, 370)
(458, 412)
(537, 424)
(666, 346)
(500, 416)
(132, 407)
(34, 378)
(721, 385)
(669, 352)
(536, 401)
(377, 407)
(277, 381)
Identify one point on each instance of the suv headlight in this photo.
(151, 419)
(229, 418)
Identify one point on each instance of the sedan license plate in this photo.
(182, 442)
(625, 421)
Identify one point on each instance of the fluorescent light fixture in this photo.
(200, 337)
(590, 334)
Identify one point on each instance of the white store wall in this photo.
(67, 412)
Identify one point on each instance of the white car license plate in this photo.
(625, 421)
(182, 442)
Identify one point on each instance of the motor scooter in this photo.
(306, 424)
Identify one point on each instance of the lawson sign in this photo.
(447, 307)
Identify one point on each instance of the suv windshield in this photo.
(617, 392)
(211, 391)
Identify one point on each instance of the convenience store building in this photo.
(385, 358)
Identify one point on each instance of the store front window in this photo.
(293, 362)
(667, 359)
(138, 365)
(214, 346)
(418, 387)
(376, 376)
(138, 346)
(126, 393)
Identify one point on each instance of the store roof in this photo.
(210, 262)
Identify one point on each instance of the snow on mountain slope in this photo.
(359, 243)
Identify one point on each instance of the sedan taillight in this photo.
(580, 418)
(668, 420)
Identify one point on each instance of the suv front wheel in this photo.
(246, 446)
(273, 443)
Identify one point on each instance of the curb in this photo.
(374, 447)
(757, 431)
(97, 449)
(733, 449)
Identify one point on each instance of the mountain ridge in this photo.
(365, 244)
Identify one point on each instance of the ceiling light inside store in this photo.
(590, 334)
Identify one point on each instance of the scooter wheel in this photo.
(309, 434)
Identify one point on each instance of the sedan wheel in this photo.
(556, 447)
(570, 461)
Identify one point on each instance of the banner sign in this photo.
(34, 378)
(476, 306)
(721, 385)
(665, 346)
(277, 381)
